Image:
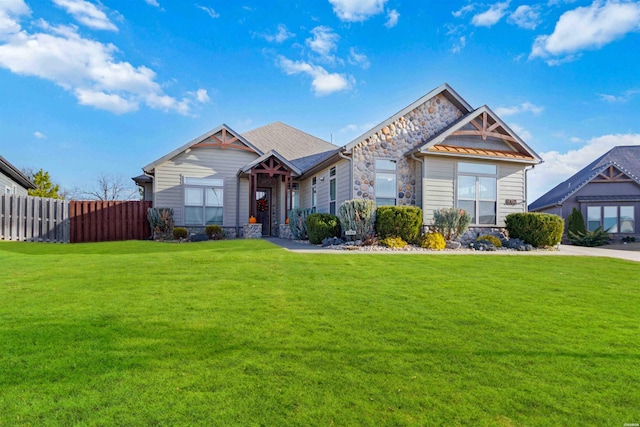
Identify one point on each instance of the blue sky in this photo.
(93, 87)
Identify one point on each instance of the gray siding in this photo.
(206, 162)
(343, 173)
(15, 188)
(439, 186)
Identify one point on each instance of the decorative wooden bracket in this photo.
(484, 129)
(612, 174)
(226, 140)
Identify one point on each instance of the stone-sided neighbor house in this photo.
(607, 192)
(12, 181)
(436, 153)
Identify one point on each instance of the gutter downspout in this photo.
(422, 198)
(237, 205)
(526, 186)
(349, 159)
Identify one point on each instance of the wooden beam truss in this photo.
(484, 129)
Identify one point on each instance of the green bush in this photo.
(451, 222)
(180, 233)
(214, 232)
(298, 222)
(399, 221)
(393, 242)
(358, 215)
(321, 226)
(537, 229)
(575, 222)
(597, 237)
(433, 241)
(491, 239)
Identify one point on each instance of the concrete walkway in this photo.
(565, 250)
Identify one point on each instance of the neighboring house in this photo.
(436, 153)
(12, 181)
(607, 192)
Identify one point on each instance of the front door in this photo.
(263, 209)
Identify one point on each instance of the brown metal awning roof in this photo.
(450, 149)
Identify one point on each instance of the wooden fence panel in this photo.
(34, 219)
(99, 221)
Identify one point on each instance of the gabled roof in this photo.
(485, 123)
(266, 156)
(298, 147)
(444, 89)
(14, 173)
(625, 159)
(235, 138)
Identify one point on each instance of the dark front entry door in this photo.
(263, 209)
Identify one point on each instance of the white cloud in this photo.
(558, 167)
(202, 96)
(626, 96)
(281, 35)
(10, 11)
(210, 11)
(491, 17)
(324, 41)
(392, 18)
(39, 135)
(323, 83)
(524, 134)
(525, 107)
(152, 3)
(86, 68)
(589, 27)
(360, 59)
(463, 11)
(459, 44)
(357, 10)
(526, 17)
(87, 14)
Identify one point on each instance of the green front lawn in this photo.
(244, 333)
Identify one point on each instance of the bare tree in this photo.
(111, 187)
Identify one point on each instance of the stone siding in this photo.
(394, 141)
(252, 231)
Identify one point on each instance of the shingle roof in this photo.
(14, 173)
(625, 158)
(300, 148)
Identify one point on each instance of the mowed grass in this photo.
(245, 333)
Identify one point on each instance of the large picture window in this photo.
(203, 201)
(386, 182)
(477, 192)
(613, 219)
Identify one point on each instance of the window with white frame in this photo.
(332, 190)
(386, 181)
(314, 192)
(295, 189)
(613, 219)
(203, 201)
(477, 192)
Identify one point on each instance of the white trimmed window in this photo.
(332, 190)
(203, 201)
(295, 195)
(386, 182)
(614, 219)
(314, 192)
(477, 192)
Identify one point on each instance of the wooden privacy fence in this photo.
(34, 219)
(100, 221)
(37, 219)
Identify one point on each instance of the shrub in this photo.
(358, 215)
(451, 222)
(488, 238)
(180, 233)
(393, 242)
(433, 241)
(537, 229)
(597, 237)
(161, 222)
(322, 225)
(214, 232)
(575, 222)
(399, 221)
(298, 222)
